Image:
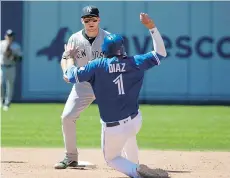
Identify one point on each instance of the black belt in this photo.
(113, 124)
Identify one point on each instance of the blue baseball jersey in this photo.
(116, 83)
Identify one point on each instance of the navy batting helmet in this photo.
(113, 46)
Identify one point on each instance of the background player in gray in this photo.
(117, 80)
(88, 41)
(10, 54)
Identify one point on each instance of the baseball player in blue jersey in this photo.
(116, 80)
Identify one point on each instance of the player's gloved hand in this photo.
(147, 21)
(70, 74)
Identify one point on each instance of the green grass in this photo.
(164, 127)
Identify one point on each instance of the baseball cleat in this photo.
(146, 172)
(66, 163)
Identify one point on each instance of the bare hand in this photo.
(70, 50)
(147, 21)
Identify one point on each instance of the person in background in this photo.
(10, 54)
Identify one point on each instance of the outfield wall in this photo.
(196, 34)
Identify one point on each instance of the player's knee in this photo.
(66, 118)
(69, 116)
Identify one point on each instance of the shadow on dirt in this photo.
(16, 162)
(178, 171)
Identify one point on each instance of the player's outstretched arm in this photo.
(68, 56)
(148, 60)
(82, 74)
(65, 55)
(158, 43)
(75, 74)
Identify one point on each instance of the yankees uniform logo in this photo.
(89, 9)
(81, 53)
(97, 54)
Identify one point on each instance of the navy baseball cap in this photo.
(10, 32)
(90, 11)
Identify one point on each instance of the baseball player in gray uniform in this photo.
(10, 54)
(88, 41)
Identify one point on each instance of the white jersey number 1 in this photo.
(119, 82)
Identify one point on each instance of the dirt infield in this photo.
(38, 163)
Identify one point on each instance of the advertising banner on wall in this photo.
(196, 35)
